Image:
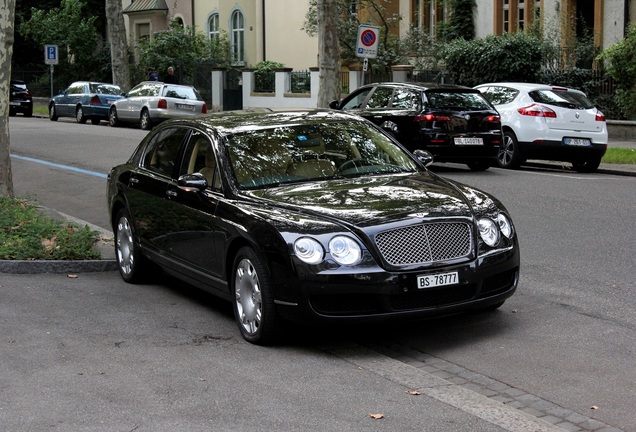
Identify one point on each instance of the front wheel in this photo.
(478, 165)
(146, 123)
(112, 117)
(254, 308)
(130, 262)
(588, 166)
(52, 113)
(79, 115)
(509, 155)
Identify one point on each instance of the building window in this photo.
(515, 15)
(213, 26)
(143, 32)
(237, 41)
(427, 14)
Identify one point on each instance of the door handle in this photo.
(134, 180)
(171, 193)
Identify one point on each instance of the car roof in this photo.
(525, 86)
(230, 122)
(422, 86)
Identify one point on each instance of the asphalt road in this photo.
(93, 353)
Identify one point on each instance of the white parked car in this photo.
(547, 122)
(151, 102)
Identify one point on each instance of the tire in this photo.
(52, 113)
(588, 166)
(95, 121)
(131, 263)
(113, 120)
(509, 155)
(145, 122)
(253, 301)
(79, 115)
(478, 165)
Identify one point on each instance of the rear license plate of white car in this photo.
(581, 142)
(469, 141)
(184, 107)
(441, 279)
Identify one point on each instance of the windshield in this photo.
(270, 157)
(107, 89)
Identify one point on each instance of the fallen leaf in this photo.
(71, 276)
(376, 416)
(594, 407)
(414, 393)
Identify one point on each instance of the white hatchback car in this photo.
(547, 122)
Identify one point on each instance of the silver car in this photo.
(151, 102)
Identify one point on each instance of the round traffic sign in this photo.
(367, 38)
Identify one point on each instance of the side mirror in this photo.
(423, 156)
(334, 104)
(194, 181)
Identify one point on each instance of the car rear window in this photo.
(181, 92)
(562, 98)
(104, 89)
(457, 100)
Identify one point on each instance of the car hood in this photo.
(368, 201)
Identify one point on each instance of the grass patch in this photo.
(41, 110)
(619, 155)
(26, 233)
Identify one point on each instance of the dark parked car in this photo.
(151, 102)
(308, 215)
(454, 123)
(84, 100)
(20, 99)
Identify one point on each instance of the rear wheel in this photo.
(79, 115)
(131, 264)
(588, 166)
(52, 113)
(509, 155)
(146, 123)
(254, 308)
(112, 117)
(29, 112)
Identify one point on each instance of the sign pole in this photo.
(51, 81)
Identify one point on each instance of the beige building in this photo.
(272, 29)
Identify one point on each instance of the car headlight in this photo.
(345, 250)
(488, 231)
(505, 226)
(309, 250)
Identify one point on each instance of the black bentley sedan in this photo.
(308, 215)
(454, 123)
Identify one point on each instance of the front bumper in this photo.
(376, 295)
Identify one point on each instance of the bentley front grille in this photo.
(425, 243)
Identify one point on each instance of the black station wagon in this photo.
(454, 123)
(308, 215)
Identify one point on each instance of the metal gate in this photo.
(232, 90)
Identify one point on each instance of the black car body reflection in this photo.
(454, 123)
(308, 215)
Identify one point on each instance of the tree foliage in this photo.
(620, 63)
(460, 24)
(184, 49)
(510, 57)
(80, 45)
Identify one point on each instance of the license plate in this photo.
(469, 141)
(185, 107)
(441, 279)
(14, 103)
(581, 142)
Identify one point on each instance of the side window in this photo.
(135, 91)
(380, 97)
(199, 158)
(76, 89)
(405, 99)
(500, 95)
(162, 152)
(356, 101)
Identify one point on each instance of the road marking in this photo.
(64, 167)
(412, 378)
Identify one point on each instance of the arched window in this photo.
(237, 38)
(213, 26)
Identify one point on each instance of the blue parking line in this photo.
(64, 167)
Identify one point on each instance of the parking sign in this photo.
(368, 41)
(50, 54)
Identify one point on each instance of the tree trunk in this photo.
(118, 44)
(329, 52)
(7, 17)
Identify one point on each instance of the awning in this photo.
(146, 6)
